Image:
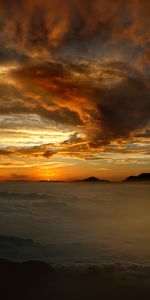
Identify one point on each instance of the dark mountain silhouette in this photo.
(92, 179)
(142, 177)
(88, 179)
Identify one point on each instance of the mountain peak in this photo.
(92, 179)
(140, 177)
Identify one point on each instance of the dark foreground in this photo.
(37, 280)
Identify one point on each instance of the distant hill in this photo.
(142, 177)
(92, 179)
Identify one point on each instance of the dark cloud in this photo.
(108, 101)
(109, 281)
(5, 152)
(49, 153)
(21, 196)
(16, 177)
(83, 66)
(43, 150)
(76, 26)
(145, 134)
(15, 102)
(117, 99)
(11, 56)
(37, 33)
(124, 109)
(15, 242)
(74, 139)
(62, 115)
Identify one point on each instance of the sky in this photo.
(74, 89)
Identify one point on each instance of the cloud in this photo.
(102, 102)
(98, 100)
(74, 70)
(17, 177)
(43, 150)
(43, 31)
(16, 195)
(145, 134)
(11, 242)
(115, 281)
(124, 109)
(6, 152)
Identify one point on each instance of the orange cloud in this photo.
(82, 68)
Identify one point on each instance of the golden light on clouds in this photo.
(74, 89)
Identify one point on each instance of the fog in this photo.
(75, 223)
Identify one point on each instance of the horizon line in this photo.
(85, 179)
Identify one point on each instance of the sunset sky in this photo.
(74, 89)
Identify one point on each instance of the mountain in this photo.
(142, 177)
(92, 179)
